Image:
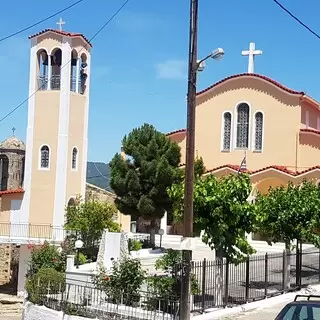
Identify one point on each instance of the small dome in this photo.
(12, 143)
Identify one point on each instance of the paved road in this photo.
(262, 314)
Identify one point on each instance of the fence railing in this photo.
(32, 231)
(224, 284)
(94, 303)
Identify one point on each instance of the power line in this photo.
(83, 47)
(41, 21)
(296, 18)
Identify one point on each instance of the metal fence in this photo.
(93, 303)
(224, 284)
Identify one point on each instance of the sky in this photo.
(139, 61)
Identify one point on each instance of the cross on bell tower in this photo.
(252, 52)
(60, 23)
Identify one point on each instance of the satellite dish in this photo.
(84, 65)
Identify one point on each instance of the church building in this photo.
(253, 121)
(39, 178)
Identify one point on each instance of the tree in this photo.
(140, 181)
(222, 211)
(88, 219)
(290, 213)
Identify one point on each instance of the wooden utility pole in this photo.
(190, 153)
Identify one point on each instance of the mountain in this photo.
(98, 173)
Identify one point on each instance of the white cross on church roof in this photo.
(251, 53)
(61, 23)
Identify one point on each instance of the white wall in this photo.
(23, 268)
(32, 312)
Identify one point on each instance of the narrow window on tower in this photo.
(74, 164)
(243, 126)
(226, 138)
(44, 157)
(258, 131)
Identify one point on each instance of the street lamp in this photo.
(78, 245)
(216, 54)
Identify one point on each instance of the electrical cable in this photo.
(296, 18)
(83, 47)
(41, 21)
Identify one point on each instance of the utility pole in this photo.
(189, 168)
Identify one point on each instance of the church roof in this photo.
(253, 76)
(12, 143)
(19, 190)
(62, 33)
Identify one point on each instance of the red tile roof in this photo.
(62, 33)
(19, 190)
(275, 167)
(175, 131)
(252, 75)
(310, 131)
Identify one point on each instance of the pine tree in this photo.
(141, 180)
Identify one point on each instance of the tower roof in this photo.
(62, 33)
(12, 143)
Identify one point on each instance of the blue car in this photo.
(304, 307)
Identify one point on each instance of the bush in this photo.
(168, 287)
(82, 258)
(123, 283)
(134, 245)
(46, 256)
(46, 280)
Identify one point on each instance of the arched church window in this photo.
(258, 135)
(243, 125)
(56, 61)
(45, 157)
(74, 158)
(73, 75)
(42, 69)
(4, 172)
(71, 202)
(22, 169)
(226, 131)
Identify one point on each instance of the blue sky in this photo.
(139, 62)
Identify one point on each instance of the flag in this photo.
(243, 165)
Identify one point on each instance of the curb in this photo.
(214, 314)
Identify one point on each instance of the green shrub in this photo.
(46, 280)
(46, 256)
(82, 258)
(124, 282)
(134, 245)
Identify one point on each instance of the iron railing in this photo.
(224, 284)
(94, 303)
(42, 82)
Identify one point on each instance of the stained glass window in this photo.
(243, 126)
(227, 131)
(258, 131)
(45, 155)
(74, 158)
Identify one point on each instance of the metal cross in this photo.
(61, 23)
(13, 130)
(252, 52)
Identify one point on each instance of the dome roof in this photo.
(12, 143)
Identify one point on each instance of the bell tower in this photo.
(57, 132)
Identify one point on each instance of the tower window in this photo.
(74, 158)
(4, 172)
(243, 125)
(42, 70)
(258, 119)
(45, 157)
(226, 143)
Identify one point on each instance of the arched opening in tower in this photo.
(42, 69)
(56, 61)
(4, 172)
(73, 76)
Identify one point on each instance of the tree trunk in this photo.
(287, 267)
(153, 232)
(218, 285)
